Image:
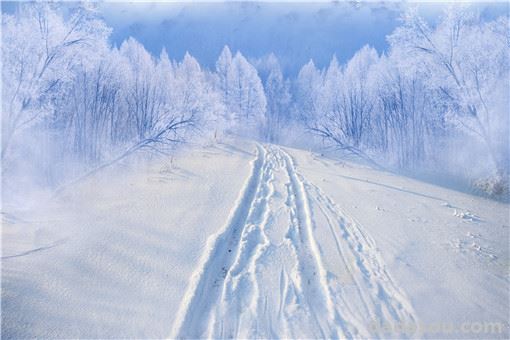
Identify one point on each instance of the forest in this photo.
(435, 104)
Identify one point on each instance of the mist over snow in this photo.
(255, 170)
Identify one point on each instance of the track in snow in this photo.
(267, 275)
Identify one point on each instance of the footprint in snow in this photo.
(467, 215)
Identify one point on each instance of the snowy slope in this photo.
(250, 240)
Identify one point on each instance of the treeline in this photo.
(437, 88)
(69, 97)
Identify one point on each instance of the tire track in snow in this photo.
(310, 260)
(243, 311)
(240, 289)
(206, 284)
(374, 300)
(265, 274)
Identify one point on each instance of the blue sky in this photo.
(295, 31)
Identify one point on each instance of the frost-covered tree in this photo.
(401, 119)
(223, 69)
(277, 91)
(224, 80)
(82, 100)
(142, 92)
(358, 97)
(86, 103)
(194, 98)
(467, 63)
(40, 48)
(87, 116)
(307, 91)
(242, 92)
(345, 103)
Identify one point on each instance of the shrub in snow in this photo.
(496, 186)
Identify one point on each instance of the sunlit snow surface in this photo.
(239, 239)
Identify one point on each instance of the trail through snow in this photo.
(235, 239)
(266, 275)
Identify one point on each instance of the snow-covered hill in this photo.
(246, 240)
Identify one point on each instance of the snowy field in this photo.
(248, 240)
(255, 169)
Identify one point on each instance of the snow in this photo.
(414, 231)
(130, 242)
(240, 239)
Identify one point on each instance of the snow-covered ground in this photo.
(246, 240)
